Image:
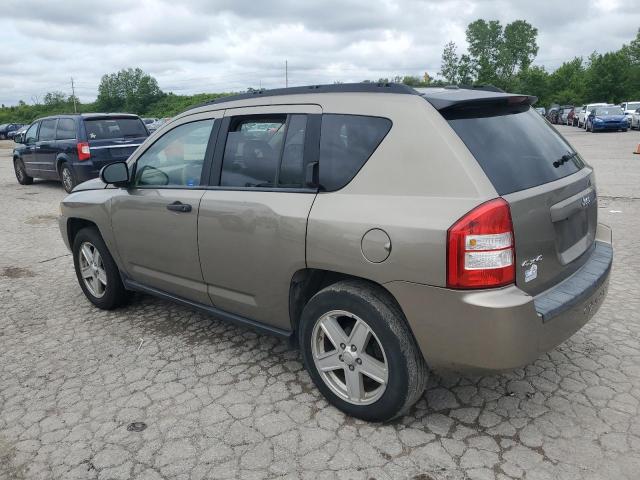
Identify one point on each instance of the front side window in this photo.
(66, 129)
(176, 159)
(32, 134)
(48, 130)
(265, 151)
(346, 143)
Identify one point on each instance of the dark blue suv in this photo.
(73, 148)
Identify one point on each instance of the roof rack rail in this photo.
(363, 87)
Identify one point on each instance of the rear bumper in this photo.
(503, 329)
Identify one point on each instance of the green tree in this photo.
(130, 90)
(604, 78)
(496, 54)
(55, 99)
(533, 81)
(449, 68)
(567, 83)
(632, 74)
(517, 49)
(485, 41)
(466, 70)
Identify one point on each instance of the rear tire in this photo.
(97, 272)
(21, 172)
(352, 329)
(67, 178)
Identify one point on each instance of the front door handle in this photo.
(178, 206)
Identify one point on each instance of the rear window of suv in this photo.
(514, 145)
(108, 128)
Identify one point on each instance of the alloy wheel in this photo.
(92, 270)
(20, 173)
(67, 179)
(349, 357)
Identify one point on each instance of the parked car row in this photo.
(596, 116)
(8, 130)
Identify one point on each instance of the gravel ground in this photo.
(224, 402)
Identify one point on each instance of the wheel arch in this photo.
(305, 283)
(75, 224)
(60, 159)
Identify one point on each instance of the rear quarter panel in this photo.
(417, 183)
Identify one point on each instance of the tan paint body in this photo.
(239, 249)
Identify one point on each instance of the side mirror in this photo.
(115, 173)
(19, 138)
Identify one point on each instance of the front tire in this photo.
(21, 172)
(67, 177)
(97, 272)
(359, 351)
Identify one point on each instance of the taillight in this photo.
(84, 153)
(480, 248)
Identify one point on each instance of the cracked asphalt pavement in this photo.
(156, 391)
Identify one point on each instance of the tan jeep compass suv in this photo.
(388, 230)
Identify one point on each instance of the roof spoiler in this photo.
(488, 98)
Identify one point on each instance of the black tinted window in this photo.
(108, 128)
(292, 164)
(31, 135)
(252, 151)
(346, 143)
(514, 146)
(47, 130)
(66, 129)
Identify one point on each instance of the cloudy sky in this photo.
(193, 46)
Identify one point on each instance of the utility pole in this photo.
(286, 74)
(73, 94)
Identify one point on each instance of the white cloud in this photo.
(207, 46)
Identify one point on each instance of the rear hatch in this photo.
(549, 188)
(113, 138)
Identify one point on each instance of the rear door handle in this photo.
(178, 206)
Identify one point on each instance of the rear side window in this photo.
(346, 143)
(47, 130)
(514, 146)
(108, 128)
(66, 129)
(265, 151)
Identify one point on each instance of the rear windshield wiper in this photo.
(564, 159)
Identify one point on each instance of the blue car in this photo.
(607, 118)
(73, 148)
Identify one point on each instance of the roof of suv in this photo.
(91, 116)
(439, 97)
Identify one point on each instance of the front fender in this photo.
(90, 206)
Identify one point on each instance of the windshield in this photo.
(109, 128)
(608, 111)
(516, 147)
(633, 106)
